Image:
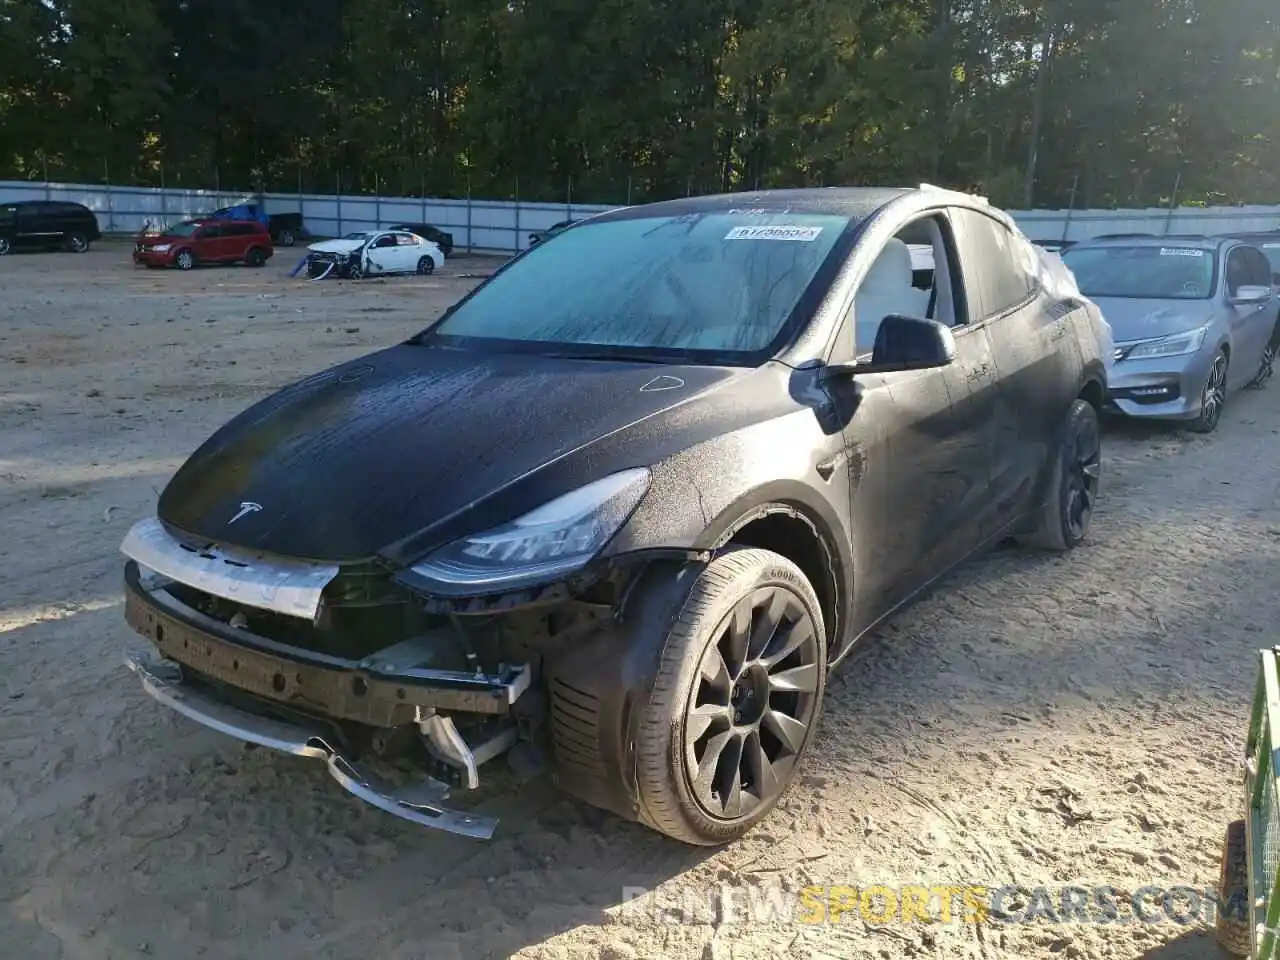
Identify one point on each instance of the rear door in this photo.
(1036, 358)
(242, 236)
(36, 226)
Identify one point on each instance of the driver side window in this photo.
(1247, 267)
(911, 276)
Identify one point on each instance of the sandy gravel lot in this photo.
(1035, 720)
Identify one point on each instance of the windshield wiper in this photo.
(621, 355)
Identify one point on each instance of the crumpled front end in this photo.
(337, 663)
(322, 264)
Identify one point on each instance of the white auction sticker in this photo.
(806, 234)
(1271, 246)
(1180, 252)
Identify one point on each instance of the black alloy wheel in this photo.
(753, 703)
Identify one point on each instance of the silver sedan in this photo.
(1193, 318)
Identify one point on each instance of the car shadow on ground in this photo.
(1193, 945)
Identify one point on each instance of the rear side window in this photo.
(1271, 250)
(998, 270)
(211, 231)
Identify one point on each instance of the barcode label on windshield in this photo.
(1180, 252)
(806, 234)
(1271, 246)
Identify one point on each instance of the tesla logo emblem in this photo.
(246, 508)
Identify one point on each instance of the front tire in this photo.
(1063, 521)
(286, 238)
(77, 243)
(426, 266)
(1266, 364)
(186, 260)
(735, 702)
(1213, 397)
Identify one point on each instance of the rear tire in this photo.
(1213, 397)
(4, 246)
(256, 257)
(77, 243)
(735, 701)
(286, 238)
(1232, 928)
(1063, 521)
(426, 266)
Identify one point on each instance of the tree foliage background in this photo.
(1044, 102)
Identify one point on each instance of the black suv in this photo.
(48, 225)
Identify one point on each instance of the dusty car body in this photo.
(1194, 319)
(620, 511)
(370, 252)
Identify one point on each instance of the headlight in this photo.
(555, 539)
(1174, 346)
(162, 247)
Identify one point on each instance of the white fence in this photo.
(503, 226)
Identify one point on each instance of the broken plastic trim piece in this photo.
(290, 587)
(327, 270)
(419, 803)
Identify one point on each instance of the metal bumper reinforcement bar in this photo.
(418, 803)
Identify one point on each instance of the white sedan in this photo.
(370, 252)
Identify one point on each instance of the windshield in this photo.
(358, 235)
(184, 229)
(718, 283)
(1146, 272)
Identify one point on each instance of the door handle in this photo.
(977, 373)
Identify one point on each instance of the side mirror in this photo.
(1249, 294)
(909, 343)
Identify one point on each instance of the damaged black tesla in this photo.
(618, 512)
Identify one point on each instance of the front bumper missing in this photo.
(419, 803)
(387, 689)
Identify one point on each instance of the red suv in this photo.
(205, 241)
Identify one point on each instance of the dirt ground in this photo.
(1041, 721)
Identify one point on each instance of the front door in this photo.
(1252, 324)
(209, 243)
(919, 442)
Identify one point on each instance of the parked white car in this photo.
(373, 252)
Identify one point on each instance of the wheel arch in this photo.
(1093, 393)
(786, 522)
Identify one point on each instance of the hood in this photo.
(340, 245)
(1145, 319)
(353, 459)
